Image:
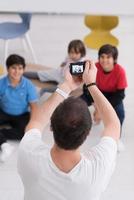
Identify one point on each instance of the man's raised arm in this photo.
(108, 115)
(42, 115)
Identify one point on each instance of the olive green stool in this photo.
(100, 31)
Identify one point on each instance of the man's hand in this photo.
(89, 75)
(73, 82)
(107, 113)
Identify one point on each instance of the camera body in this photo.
(77, 68)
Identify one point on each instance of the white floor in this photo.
(50, 35)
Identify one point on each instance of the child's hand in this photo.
(63, 64)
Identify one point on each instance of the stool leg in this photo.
(29, 44)
(24, 44)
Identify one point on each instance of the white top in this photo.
(44, 181)
(57, 74)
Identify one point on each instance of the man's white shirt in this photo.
(43, 180)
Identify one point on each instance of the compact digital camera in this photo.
(77, 68)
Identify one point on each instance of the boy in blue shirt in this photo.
(17, 94)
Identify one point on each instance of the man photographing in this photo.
(63, 172)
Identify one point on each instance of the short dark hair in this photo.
(78, 46)
(71, 123)
(109, 50)
(15, 59)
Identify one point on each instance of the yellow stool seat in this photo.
(100, 31)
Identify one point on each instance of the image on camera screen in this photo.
(76, 69)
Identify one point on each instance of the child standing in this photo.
(17, 94)
(76, 52)
(111, 80)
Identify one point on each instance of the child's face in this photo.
(15, 72)
(107, 62)
(74, 56)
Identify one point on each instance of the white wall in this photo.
(117, 7)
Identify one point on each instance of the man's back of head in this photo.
(71, 123)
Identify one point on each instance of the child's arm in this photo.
(65, 62)
(115, 97)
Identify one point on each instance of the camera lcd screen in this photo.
(76, 69)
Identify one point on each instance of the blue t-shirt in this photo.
(15, 100)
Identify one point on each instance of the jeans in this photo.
(119, 109)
